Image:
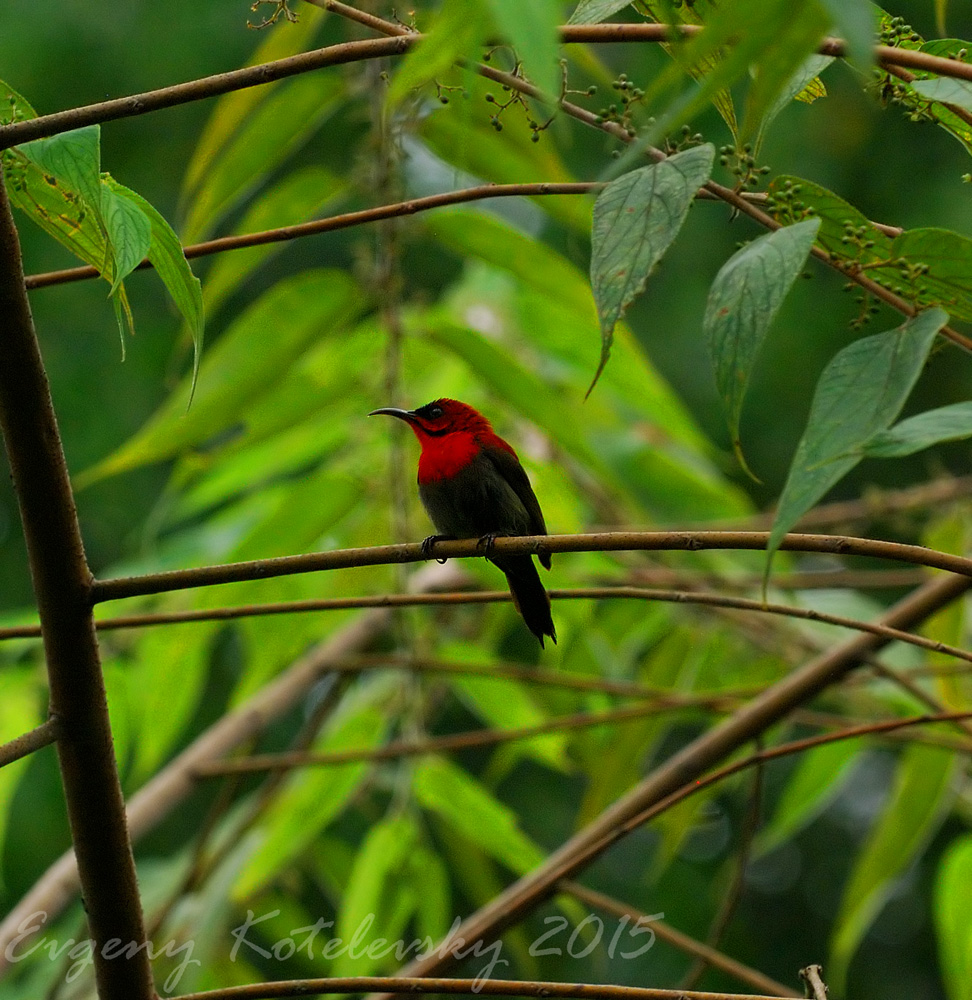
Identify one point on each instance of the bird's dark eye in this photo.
(435, 412)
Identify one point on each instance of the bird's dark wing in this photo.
(510, 469)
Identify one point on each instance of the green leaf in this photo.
(531, 28)
(299, 196)
(922, 788)
(859, 393)
(743, 302)
(941, 7)
(314, 796)
(457, 32)
(798, 38)
(953, 918)
(817, 779)
(273, 130)
(948, 280)
(19, 713)
(73, 158)
(636, 219)
(856, 22)
(945, 90)
(165, 253)
(804, 85)
(947, 423)
(242, 367)
(129, 230)
(463, 803)
(596, 11)
(369, 901)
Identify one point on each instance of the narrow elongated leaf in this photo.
(804, 85)
(129, 230)
(471, 810)
(743, 301)
(596, 11)
(947, 423)
(531, 28)
(636, 219)
(953, 918)
(375, 876)
(859, 393)
(257, 349)
(913, 813)
(856, 22)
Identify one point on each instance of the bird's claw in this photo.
(428, 542)
(487, 541)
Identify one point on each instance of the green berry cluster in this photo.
(742, 165)
(897, 32)
(785, 205)
(621, 112)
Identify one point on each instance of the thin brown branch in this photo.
(688, 765)
(611, 541)
(198, 90)
(486, 986)
(44, 735)
(457, 741)
(498, 596)
(62, 582)
(336, 222)
(170, 787)
(678, 939)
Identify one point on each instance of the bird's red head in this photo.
(451, 434)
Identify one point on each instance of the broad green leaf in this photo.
(531, 28)
(922, 788)
(743, 302)
(256, 350)
(314, 796)
(456, 33)
(856, 22)
(461, 801)
(945, 90)
(948, 280)
(165, 253)
(859, 393)
(817, 779)
(596, 11)
(636, 219)
(73, 158)
(129, 230)
(953, 918)
(947, 423)
(273, 130)
(369, 900)
(296, 198)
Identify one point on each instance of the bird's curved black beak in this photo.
(393, 411)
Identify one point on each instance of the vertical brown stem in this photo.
(62, 585)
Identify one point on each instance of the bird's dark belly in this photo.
(476, 501)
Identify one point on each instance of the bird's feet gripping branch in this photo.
(472, 485)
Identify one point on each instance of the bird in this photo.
(472, 485)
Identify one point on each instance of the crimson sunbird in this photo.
(472, 485)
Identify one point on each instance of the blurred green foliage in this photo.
(491, 304)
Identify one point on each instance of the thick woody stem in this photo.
(62, 585)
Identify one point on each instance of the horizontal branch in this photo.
(498, 596)
(336, 222)
(609, 541)
(487, 987)
(454, 741)
(44, 735)
(196, 90)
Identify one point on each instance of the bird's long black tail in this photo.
(529, 595)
